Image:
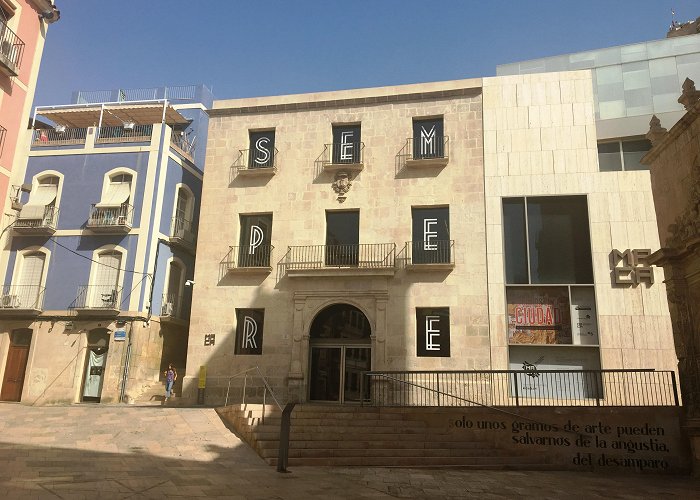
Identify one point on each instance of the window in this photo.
(117, 191)
(262, 149)
(42, 201)
(182, 220)
(104, 289)
(431, 235)
(342, 238)
(346, 144)
(255, 240)
(173, 298)
(428, 138)
(433, 332)
(249, 331)
(622, 155)
(27, 289)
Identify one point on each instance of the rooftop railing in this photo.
(182, 143)
(112, 135)
(60, 137)
(22, 297)
(364, 255)
(11, 50)
(530, 387)
(178, 93)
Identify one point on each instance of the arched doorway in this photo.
(340, 350)
(98, 342)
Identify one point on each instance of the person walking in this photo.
(170, 378)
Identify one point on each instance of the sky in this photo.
(270, 47)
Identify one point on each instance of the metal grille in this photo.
(22, 297)
(111, 135)
(121, 216)
(364, 255)
(62, 137)
(11, 49)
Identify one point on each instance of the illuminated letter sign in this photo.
(249, 331)
(433, 331)
(262, 149)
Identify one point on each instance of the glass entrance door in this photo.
(336, 373)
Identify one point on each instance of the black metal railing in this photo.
(522, 388)
(22, 297)
(105, 217)
(364, 255)
(183, 229)
(246, 161)
(3, 133)
(414, 150)
(342, 153)
(135, 133)
(98, 297)
(59, 136)
(171, 305)
(429, 252)
(11, 49)
(182, 143)
(245, 257)
(36, 218)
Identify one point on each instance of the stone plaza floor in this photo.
(114, 452)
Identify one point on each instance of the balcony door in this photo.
(431, 235)
(255, 240)
(342, 238)
(171, 306)
(340, 352)
(29, 282)
(104, 292)
(95, 361)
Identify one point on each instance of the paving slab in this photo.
(119, 452)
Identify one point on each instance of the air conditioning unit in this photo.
(167, 309)
(10, 301)
(121, 220)
(129, 125)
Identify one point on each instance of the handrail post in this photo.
(675, 388)
(264, 404)
(245, 383)
(517, 395)
(362, 388)
(227, 391)
(283, 455)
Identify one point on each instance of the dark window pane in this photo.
(609, 157)
(256, 235)
(249, 331)
(431, 235)
(633, 152)
(325, 374)
(514, 240)
(342, 238)
(428, 139)
(560, 242)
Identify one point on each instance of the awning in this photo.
(41, 196)
(116, 195)
(114, 115)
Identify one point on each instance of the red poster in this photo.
(539, 315)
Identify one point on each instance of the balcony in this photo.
(60, 136)
(241, 260)
(429, 255)
(340, 260)
(11, 50)
(21, 300)
(183, 234)
(106, 219)
(246, 166)
(171, 307)
(36, 220)
(180, 143)
(126, 134)
(98, 300)
(345, 157)
(3, 133)
(412, 156)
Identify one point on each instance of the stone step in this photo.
(334, 443)
(500, 463)
(385, 452)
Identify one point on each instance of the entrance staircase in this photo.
(333, 435)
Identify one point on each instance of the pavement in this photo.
(115, 452)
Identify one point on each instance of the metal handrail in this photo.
(245, 383)
(11, 48)
(360, 255)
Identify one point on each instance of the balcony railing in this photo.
(241, 258)
(22, 297)
(365, 256)
(59, 137)
(36, 219)
(3, 132)
(114, 135)
(183, 231)
(429, 252)
(11, 50)
(246, 164)
(104, 297)
(182, 144)
(418, 154)
(171, 305)
(522, 388)
(346, 153)
(106, 218)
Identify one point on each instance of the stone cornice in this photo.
(681, 126)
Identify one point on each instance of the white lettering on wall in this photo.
(432, 330)
(429, 234)
(264, 156)
(427, 141)
(346, 146)
(256, 239)
(250, 329)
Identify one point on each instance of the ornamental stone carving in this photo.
(686, 227)
(689, 96)
(656, 131)
(341, 185)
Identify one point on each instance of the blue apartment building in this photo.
(95, 301)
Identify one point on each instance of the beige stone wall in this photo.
(540, 139)
(298, 200)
